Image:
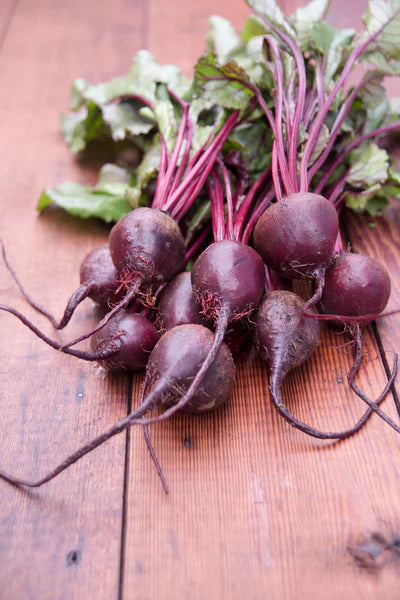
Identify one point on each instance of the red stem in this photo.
(386, 129)
(323, 110)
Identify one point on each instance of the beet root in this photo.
(178, 356)
(137, 337)
(175, 375)
(177, 304)
(99, 282)
(228, 276)
(296, 235)
(124, 344)
(147, 244)
(355, 285)
(285, 337)
(147, 249)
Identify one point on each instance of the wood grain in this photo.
(256, 509)
(62, 541)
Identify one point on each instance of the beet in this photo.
(296, 237)
(228, 278)
(147, 245)
(355, 285)
(175, 377)
(177, 304)
(124, 343)
(137, 337)
(285, 337)
(147, 249)
(178, 356)
(99, 281)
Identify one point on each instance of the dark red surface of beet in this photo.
(355, 285)
(296, 236)
(178, 305)
(282, 334)
(147, 244)
(228, 274)
(98, 271)
(138, 337)
(177, 358)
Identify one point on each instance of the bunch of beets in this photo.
(179, 297)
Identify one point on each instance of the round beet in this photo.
(136, 337)
(147, 244)
(296, 235)
(355, 285)
(228, 276)
(177, 358)
(147, 249)
(99, 281)
(177, 304)
(98, 273)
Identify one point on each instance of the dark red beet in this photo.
(175, 374)
(147, 244)
(177, 358)
(137, 337)
(147, 249)
(177, 304)
(285, 338)
(228, 276)
(296, 235)
(98, 272)
(99, 281)
(355, 285)
(126, 343)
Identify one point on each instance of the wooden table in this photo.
(256, 509)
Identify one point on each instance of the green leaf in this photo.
(306, 21)
(141, 81)
(339, 49)
(150, 164)
(253, 27)
(111, 174)
(315, 10)
(372, 201)
(375, 102)
(222, 38)
(394, 176)
(125, 118)
(78, 89)
(223, 84)
(83, 127)
(369, 166)
(167, 124)
(382, 19)
(254, 141)
(321, 143)
(74, 130)
(85, 202)
(318, 36)
(271, 11)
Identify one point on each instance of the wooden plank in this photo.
(256, 509)
(64, 540)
